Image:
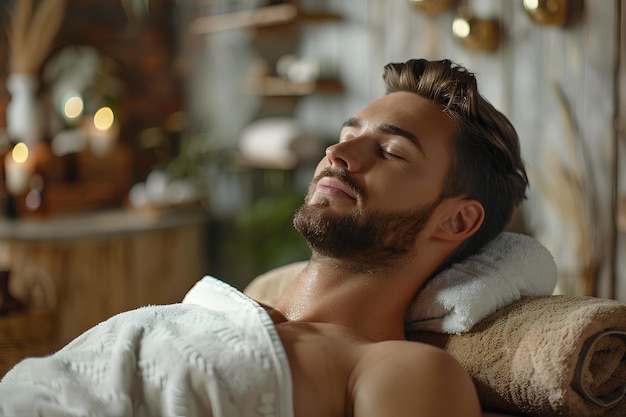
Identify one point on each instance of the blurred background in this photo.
(146, 143)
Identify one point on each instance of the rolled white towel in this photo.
(510, 267)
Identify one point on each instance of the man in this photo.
(419, 178)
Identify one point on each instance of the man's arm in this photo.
(401, 379)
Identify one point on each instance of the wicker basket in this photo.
(26, 333)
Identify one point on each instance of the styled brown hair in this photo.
(486, 162)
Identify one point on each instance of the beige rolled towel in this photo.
(546, 356)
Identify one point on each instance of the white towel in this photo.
(512, 266)
(216, 354)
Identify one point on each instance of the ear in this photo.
(463, 220)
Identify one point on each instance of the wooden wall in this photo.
(557, 84)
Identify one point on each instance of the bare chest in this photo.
(321, 358)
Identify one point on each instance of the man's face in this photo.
(378, 186)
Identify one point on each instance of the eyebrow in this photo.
(388, 129)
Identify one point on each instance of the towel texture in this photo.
(510, 267)
(546, 356)
(217, 354)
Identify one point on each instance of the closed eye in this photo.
(389, 154)
(388, 129)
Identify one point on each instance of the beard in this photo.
(368, 241)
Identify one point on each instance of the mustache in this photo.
(343, 176)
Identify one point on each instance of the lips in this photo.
(335, 187)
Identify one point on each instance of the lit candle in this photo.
(18, 168)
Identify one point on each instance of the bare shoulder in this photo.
(401, 378)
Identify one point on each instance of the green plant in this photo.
(266, 237)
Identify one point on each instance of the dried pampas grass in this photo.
(571, 192)
(31, 32)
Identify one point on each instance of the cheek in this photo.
(403, 193)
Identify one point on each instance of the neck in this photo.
(371, 301)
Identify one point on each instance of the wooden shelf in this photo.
(261, 17)
(98, 224)
(92, 267)
(271, 86)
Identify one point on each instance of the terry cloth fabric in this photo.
(546, 356)
(510, 267)
(215, 354)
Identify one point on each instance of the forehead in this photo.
(416, 114)
(407, 110)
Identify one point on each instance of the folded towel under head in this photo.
(510, 267)
(546, 356)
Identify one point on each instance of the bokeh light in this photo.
(461, 28)
(103, 119)
(73, 107)
(531, 4)
(20, 152)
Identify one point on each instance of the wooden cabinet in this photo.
(86, 268)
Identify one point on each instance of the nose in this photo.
(351, 155)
